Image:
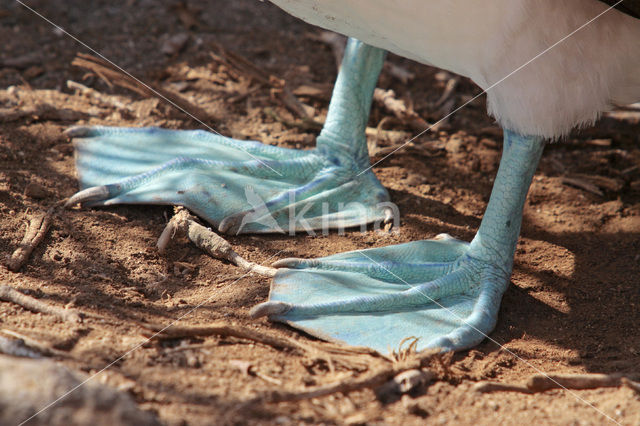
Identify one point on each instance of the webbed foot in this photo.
(433, 290)
(245, 186)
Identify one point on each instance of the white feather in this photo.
(568, 86)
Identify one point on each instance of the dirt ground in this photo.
(574, 302)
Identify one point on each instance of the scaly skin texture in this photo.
(242, 186)
(445, 292)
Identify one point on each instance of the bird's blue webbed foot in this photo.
(246, 186)
(445, 292)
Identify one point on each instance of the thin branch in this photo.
(349, 356)
(488, 387)
(30, 343)
(9, 294)
(400, 109)
(449, 89)
(17, 347)
(305, 124)
(208, 241)
(38, 227)
(101, 98)
(41, 112)
(582, 184)
(366, 381)
(278, 86)
(222, 330)
(113, 75)
(541, 383)
(635, 386)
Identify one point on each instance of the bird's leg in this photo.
(445, 292)
(243, 186)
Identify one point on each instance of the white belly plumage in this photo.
(568, 86)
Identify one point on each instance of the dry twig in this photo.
(277, 342)
(36, 231)
(396, 137)
(366, 381)
(635, 386)
(348, 356)
(17, 347)
(30, 343)
(630, 170)
(488, 387)
(9, 294)
(113, 75)
(208, 241)
(41, 112)
(101, 98)
(222, 330)
(603, 182)
(444, 111)
(279, 87)
(631, 116)
(593, 183)
(23, 61)
(582, 184)
(315, 90)
(541, 383)
(400, 109)
(305, 124)
(449, 90)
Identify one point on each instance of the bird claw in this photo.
(269, 309)
(232, 224)
(78, 131)
(95, 193)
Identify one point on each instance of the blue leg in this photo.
(243, 186)
(445, 292)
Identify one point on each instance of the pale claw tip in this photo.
(95, 193)
(77, 131)
(286, 263)
(270, 308)
(443, 237)
(231, 225)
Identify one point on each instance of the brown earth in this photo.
(573, 306)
